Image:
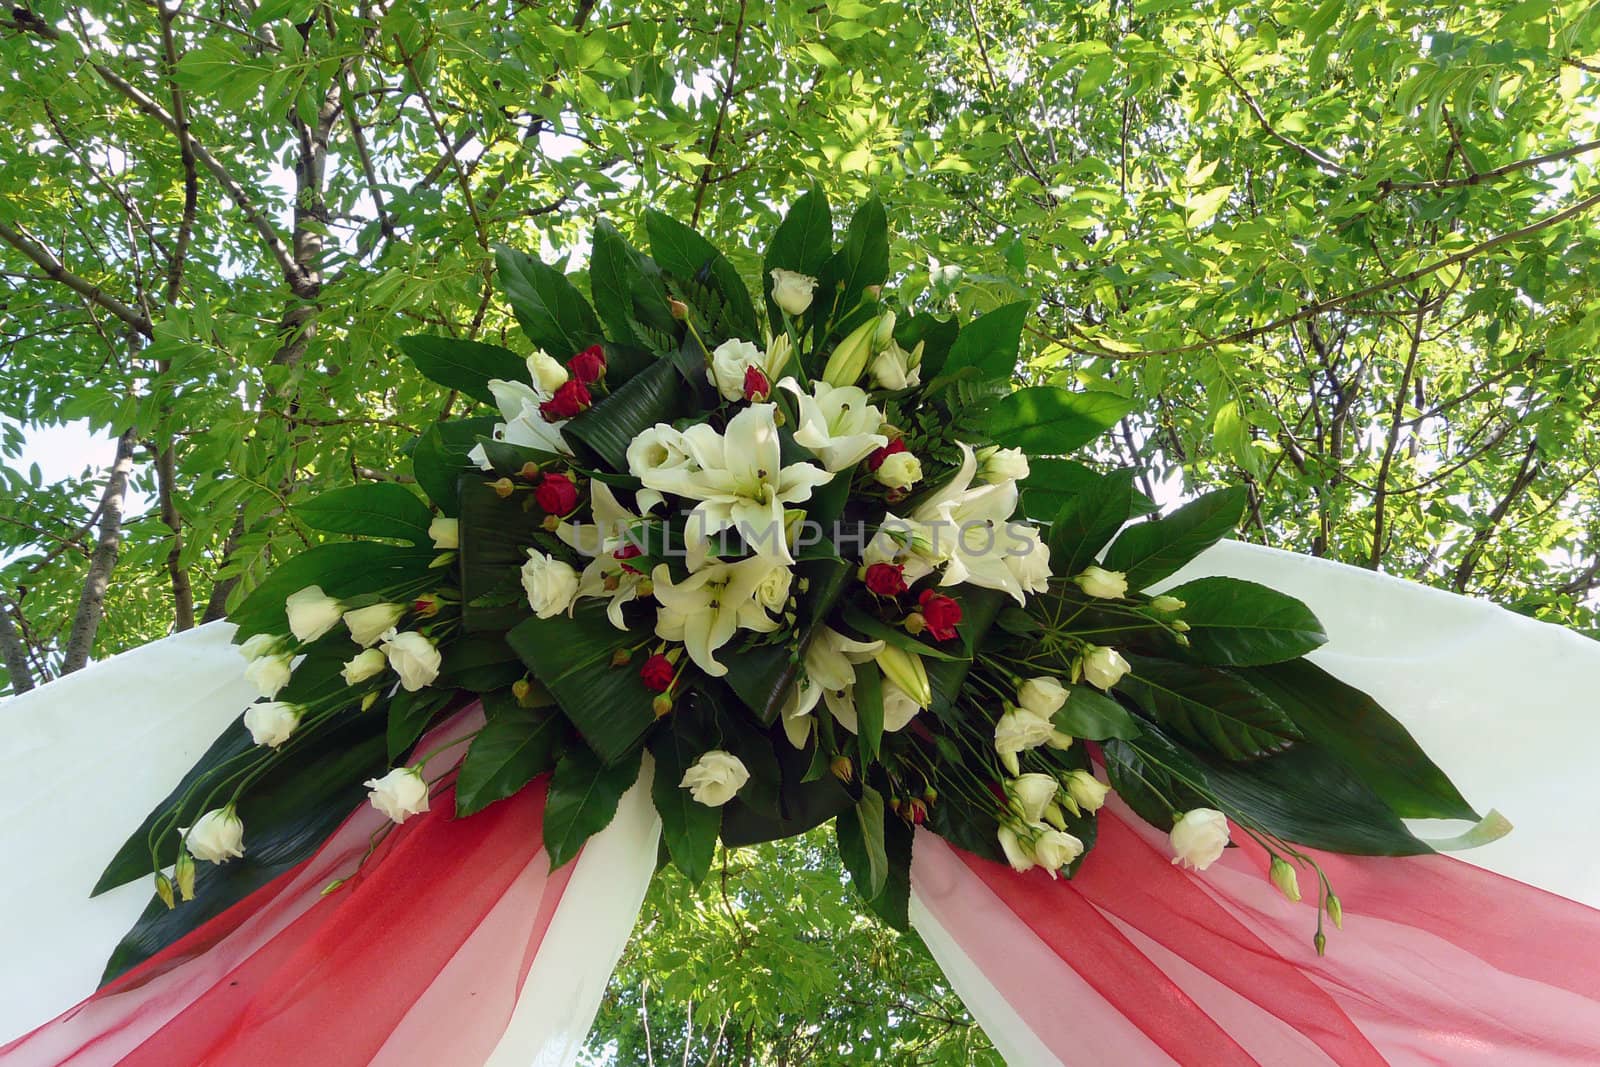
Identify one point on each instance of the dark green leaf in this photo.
(1092, 715)
(479, 663)
(1155, 778)
(513, 748)
(371, 509)
(464, 365)
(440, 458)
(627, 288)
(862, 850)
(1234, 623)
(1044, 420)
(1149, 551)
(681, 251)
(583, 799)
(495, 537)
(868, 694)
(688, 827)
(1208, 707)
(989, 344)
(654, 395)
(863, 260)
(409, 716)
(549, 308)
(343, 569)
(1089, 520)
(1051, 483)
(802, 242)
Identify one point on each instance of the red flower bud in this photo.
(915, 812)
(589, 365)
(571, 399)
(629, 551)
(886, 579)
(876, 458)
(756, 386)
(940, 613)
(656, 674)
(556, 494)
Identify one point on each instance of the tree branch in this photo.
(704, 184)
(14, 651)
(57, 271)
(92, 602)
(1480, 537)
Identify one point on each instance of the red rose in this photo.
(940, 613)
(756, 385)
(589, 365)
(656, 674)
(886, 579)
(571, 399)
(556, 494)
(875, 460)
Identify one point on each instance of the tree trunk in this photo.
(14, 652)
(92, 603)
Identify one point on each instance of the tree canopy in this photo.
(1343, 254)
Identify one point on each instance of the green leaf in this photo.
(343, 569)
(1208, 707)
(1234, 623)
(440, 458)
(1155, 778)
(627, 288)
(937, 336)
(1355, 729)
(479, 662)
(654, 395)
(868, 693)
(513, 748)
(1044, 420)
(495, 537)
(1051, 483)
(681, 251)
(802, 242)
(464, 365)
(1149, 551)
(979, 608)
(571, 657)
(761, 676)
(549, 308)
(877, 851)
(688, 827)
(863, 260)
(989, 343)
(583, 800)
(371, 509)
(1089, 520)
(1093, 716)
(871, 628)
(409, 716)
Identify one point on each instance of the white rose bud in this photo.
(547, 374)
(1054, 849)
(899, 471)
(1284, 878)
(1099, 582)
(445, 531)
(1042, 695)
(1103, 667)
(369, 624)
(551, 585)
(1086, 791)
(269, 674)
(1199, 838)
(414, 658)
(260, 645)
(1027, 557)
(365, 664)
(1017, 731)
(399, 794)
(271, 723)
(1167, 604)
(1020, 858)
(996, 464)
(773, 592)
(715, 778)
(216, 837)
(312, 613)
(1032, 794)
(792, 290)
(729, 361)
(891, 369)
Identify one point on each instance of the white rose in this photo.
(1099, 582)
(996, 464)
(414, 658)
(260, 645)
(364, 665)
(547, 374)
(1017, 731)
(1027, 557)
(1020, 858)
(551, 585)
(773, 592)
(1054, 849)
(1086, 791)
(792, 290)
(660, 448)
(1033, 794)
(715, 778)
(899, 471)
(729, 361)
(312, 613)
(891, 369)
(1199, 838)
(445, 531)
(216, 837)
(1103, 667)
(399, 794)
(369, 624)
(1042, 695)
(271, 723)
(269, 674)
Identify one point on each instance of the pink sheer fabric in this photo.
(1138, 961)
(440, 925)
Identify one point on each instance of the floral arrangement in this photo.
(818, 557)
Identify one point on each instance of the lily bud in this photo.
(369, 700)
(849, 359)
(1335, 911)
(842, 769)
(502, 487)
(884, 332)
(1283, 877)
(905, 670)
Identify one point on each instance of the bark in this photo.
(182, 587)
(15, 653)
(92, 602)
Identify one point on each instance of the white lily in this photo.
(706, 608)
(971, 529)
(899, 708)
(740, 480)
(599, 540)
(519, 406)
(836, 423)
(828, 666)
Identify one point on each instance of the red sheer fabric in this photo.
(417, 960)
(1439, 962)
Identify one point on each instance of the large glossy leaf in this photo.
(868, 695)
(761, 676)
(465, 365)
(628, 293)
(802, 804)
(979, 609)
(688, 828)
(583, 799)
(343, 569)
(936, 336)
(1093, 716)
(440, 457)
(1354, 728)
(1155, 778)
(495, 537)
(1208, 707)
(1044, 420)
(802, 242)
(513, 748)
(681, 251)
(862, 260)
(549, 308)
(479, 663)
(371, 509)
(989, 343)
(656, 394)
(409, 715)
(1051, 483)
(876, 850)
(571, 657)
(1149, 551)
(1089, 520)
(1234, 623)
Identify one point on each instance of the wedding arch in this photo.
(729, 566)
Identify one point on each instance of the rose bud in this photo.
(657, 673)
(885, 579)
(877, 456)
(940, 613)
(756, 386)
(589, 365)
(915, 811)
(556, 494)
(502, 487)
(570, 400)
